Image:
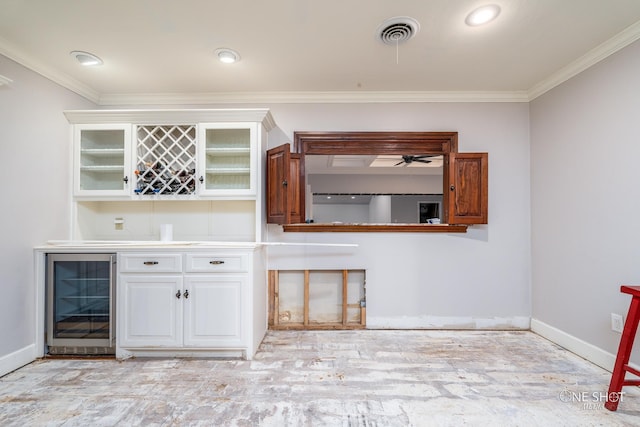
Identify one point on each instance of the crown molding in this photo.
(4, 80)
(595, 55)
(10, 51)
(309, 97)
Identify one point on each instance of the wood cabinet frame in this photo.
(359, 307)
(465, 177)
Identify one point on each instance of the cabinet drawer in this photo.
(151, 262)
(224, 263)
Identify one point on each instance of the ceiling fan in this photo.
(408, 159)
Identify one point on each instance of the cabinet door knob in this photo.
(126, 179)
(216, 262)
(201, 179)
(186, 293)
(150, 262)
(178, 294)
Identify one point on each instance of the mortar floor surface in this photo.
(328, 378)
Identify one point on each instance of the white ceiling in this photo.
(161, 51)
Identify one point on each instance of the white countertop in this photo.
(143, 244)
(93, 245)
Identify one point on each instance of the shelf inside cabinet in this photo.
(103, 168)
(102, 151)
(65, 316)
(228, 181)
(229, 171)
(228, 151)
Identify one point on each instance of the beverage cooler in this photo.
(81, 304)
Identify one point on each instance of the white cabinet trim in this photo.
(183, 116)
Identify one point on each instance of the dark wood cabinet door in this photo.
(278, 192)
(296, 190)
(468, 188)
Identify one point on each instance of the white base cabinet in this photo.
(190, 303)
(150, 313)
(213, 312)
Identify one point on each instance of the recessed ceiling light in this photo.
(482, 15)
(228, 56)
(85, 58)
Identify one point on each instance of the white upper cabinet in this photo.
(102, 160)
(227, 159)
(168, 154)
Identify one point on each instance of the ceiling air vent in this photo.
(397, 30)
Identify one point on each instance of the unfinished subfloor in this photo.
(328, 378)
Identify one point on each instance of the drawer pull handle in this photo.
(216, 262)
(150, 262)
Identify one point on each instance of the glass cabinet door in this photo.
(102, 160)
(80, 299)
(228, 159)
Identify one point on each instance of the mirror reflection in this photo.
(374, 189)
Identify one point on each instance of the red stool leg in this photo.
(624, 352)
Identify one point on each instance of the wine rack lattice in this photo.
(166, 159)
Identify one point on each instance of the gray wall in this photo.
(478, 279)
(35, 173)
(585, 154)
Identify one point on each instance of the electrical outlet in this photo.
(616, 322)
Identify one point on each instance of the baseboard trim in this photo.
(593, 354)
(17, 359)
(443, 322)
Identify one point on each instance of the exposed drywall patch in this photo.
(317, 299)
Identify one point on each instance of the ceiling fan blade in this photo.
(422, 161)
(399, 163)
(423, 156)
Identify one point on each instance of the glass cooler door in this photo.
(80, 299)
